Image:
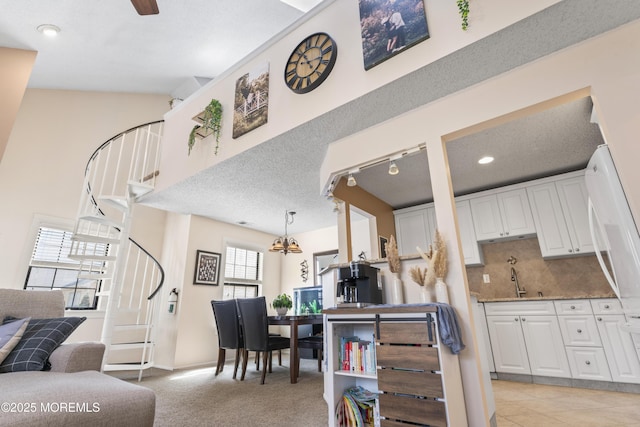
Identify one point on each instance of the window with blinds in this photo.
(242, 273)
(51, 268)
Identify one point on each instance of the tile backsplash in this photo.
(578, 276)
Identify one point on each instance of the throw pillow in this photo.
(41, 337)
(10, 335)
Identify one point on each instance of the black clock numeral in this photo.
(290, 73)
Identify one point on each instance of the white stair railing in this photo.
(120, 171)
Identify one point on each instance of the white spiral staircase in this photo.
(120, 171)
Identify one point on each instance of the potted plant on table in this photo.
(282, 303)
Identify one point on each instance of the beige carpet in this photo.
(198, 398)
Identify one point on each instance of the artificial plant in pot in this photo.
(282, 303)
(211, 121)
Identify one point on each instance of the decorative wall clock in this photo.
(310, 63)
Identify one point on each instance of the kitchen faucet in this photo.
(520, 291)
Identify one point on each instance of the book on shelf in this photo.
(357, 354)
(358, 407)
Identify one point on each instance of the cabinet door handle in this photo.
(606, 306)
(599, 319)
(573, 307)
(579, 331)
(516, 319)
(523, 319)
(507, 233)
(577, 249)
(570, 250)
(587, 362)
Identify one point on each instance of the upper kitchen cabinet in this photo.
(501, 215)
(561, 218)
(415, 226)
(470, 249)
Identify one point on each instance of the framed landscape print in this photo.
(389, 27)
(207, 268)
(251, 101)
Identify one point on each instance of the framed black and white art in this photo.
(207, 268)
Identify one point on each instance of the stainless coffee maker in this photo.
(358, 285)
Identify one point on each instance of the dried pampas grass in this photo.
(436, 259)
(418, 275)
(392, 255)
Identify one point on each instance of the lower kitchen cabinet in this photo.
(417, 378)
(619, 348)
(526, 339)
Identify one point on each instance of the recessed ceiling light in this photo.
(49, 30)
(485, 160)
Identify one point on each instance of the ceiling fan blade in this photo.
(146, 7)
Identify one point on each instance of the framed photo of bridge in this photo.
(251, 101)
(207, 268)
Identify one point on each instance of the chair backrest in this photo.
(255, 324)
(227, 322)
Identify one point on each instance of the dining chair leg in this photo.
(270, 362)
(319, 360)
(257, 360)
(265, 356)
(245, 356)
(280, 357)
(237, 362)
(221, 357)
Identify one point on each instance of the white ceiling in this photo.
(107, 46)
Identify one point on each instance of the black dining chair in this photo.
(315, 342)
(229, 332)
(255, 330)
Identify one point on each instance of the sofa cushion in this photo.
(41, 337)
(10, 335)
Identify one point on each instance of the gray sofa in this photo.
(73, 392)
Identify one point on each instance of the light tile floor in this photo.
(537, 405)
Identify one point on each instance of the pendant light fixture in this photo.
(284, 244)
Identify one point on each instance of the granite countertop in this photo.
(543, 298)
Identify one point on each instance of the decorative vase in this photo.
(282, 311)
(397, 296)
(442, 294)
(426, 295)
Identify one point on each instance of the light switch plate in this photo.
(485, 278)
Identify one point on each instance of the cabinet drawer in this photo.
(407, 357)
(580, 331)
(588, 363)
(519, 308)
(575, 306)
(411, 409)
(406, 333)
(417, 383)
(606, 306)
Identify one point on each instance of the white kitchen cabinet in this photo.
(526, 338)
(581, 337)
(560, 215)
(415, 226)
(619, 348)
(507, 344)
(470, 247)
(501, 215)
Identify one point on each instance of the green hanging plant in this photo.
(211, 121)
(463, 9)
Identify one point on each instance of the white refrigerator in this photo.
(615, 234)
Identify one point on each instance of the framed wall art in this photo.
(389, 27)
(207, 268)
(251, 100)
(382, 242)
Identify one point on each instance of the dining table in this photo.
(294, 321)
